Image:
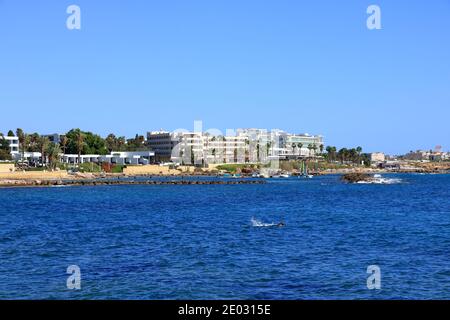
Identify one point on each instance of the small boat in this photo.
(304, 171)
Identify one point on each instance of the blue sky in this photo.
(301, 66)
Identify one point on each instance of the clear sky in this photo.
(301, 66)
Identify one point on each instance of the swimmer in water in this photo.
(281, 224)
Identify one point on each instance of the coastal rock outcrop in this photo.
(356, 177)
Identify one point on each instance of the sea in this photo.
(387, 240)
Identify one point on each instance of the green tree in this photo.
(10, 133)
(79, 141)
(31, 142)
(331, 153)
(92, 143)
(310, 147)
(111, 142)
(343, 154)
(314, 147)
(4, 149)
(43, 146)
(359, 151)
(136, 144)
(22, 138)
(121, 141)
(53, 151)
(64, 142)
(300, 146)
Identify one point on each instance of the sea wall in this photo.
(39, 175)
(149, 169)
(152, 169)
(7, 167)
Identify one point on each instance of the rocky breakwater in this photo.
(103, 182)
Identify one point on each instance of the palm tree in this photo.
(64, 142)
(111, 142)
(293, 148)
(21, 136)
(79, 137)
(53, 151)
(358, 151)
(32, 142)
(314, 147)
(268, 145)
(43, 144)
(321, 148)
(299, 146)
(310, 147)
(331, 153)
(120, 143)
(343, 154)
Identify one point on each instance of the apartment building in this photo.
(162, 144)
(13, 146)
(245, 146)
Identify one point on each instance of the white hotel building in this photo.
(246, 146)
(13, 146)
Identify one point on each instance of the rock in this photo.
(355, 177)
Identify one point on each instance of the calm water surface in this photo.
(197, 241)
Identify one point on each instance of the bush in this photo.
(230, 167)
(117, 168)
(89, 167)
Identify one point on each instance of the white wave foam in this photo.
(259, 223)
(378, 179)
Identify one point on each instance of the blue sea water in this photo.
(198, 242)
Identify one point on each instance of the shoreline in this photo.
(150, 179)
(102, 182)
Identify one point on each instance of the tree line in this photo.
(74, 141)
(345, 155)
